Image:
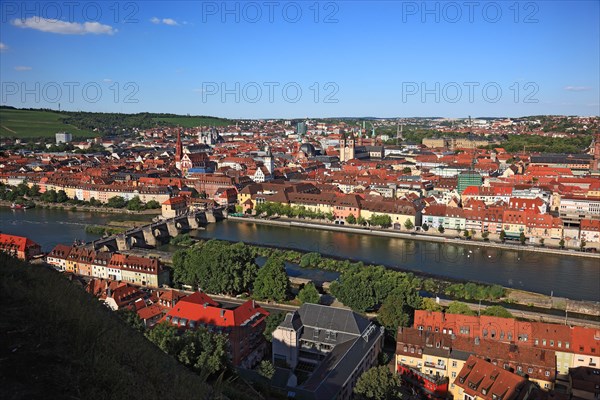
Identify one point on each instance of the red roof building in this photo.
(19, 246)
(243, 325)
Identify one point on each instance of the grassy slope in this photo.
(26, 124)
(57, 342)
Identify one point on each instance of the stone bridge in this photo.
(156, 233)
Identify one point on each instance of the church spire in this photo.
(178, 150)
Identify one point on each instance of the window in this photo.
(536, 341)
(454, 374)
(543, 342)
(529, 370)
(454, 363)
(566, 345)
(547, 373)
(552, 343)
(559, 343)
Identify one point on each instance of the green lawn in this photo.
(29, 124)
(192, 121)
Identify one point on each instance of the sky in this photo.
(296, 59)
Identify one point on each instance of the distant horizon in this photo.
(299, 118)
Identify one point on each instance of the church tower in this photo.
(347, 144)
(268, 160)
(178, 150)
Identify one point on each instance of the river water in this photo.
(574, 277)
(577, 278)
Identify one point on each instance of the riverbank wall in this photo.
(411, 236)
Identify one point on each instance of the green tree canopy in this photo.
(378, 383)
(204, 351)
(132, 319)
(497, 311)
(272, 322)
(272, 282)
(61, 196)
(364, 288)
(216, 267)
(351, 219)
(116, 202)
(429, 304)
(398, 308)
(309, 294)
(408, 224)
(457, 307)
(135, 204)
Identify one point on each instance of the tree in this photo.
(456, 307)
(561, 243)
(408, 224)
(116, 202)
(351, 219)
(34, 191)
(378, 383)
(49, 196)
(425, 227)
(216, 267)
(164, 335)
(310, 260)
(361, 221)
(522, 238)
(382, 220)
(204, 351)
(582, 244)
(271, 323)
(497, 311)
(398, 308)
(406, 170)
(272, 282)
(502, 236)
(152, 204)
(441, 229)
(266, 369)
(330, 216)
(430, 304)
(309, 294)
(485, 236)
(61, 196)
(135, 204)
(542, 242)
(132, 319)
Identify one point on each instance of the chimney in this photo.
(222, 313)
(253, 304)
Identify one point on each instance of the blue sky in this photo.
(285, 59)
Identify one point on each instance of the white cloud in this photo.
(63, 27)
(577, 88)
(3, 47)
(23, 68)
(107, 80)
(165, 21)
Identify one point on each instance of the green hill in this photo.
(28, 123)
(36, 123)
(58, 342)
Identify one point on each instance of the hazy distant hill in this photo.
(57, 342)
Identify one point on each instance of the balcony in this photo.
(441, 367)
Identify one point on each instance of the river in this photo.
(577, 278)
(574, 277)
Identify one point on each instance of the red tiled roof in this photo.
(19, 243)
